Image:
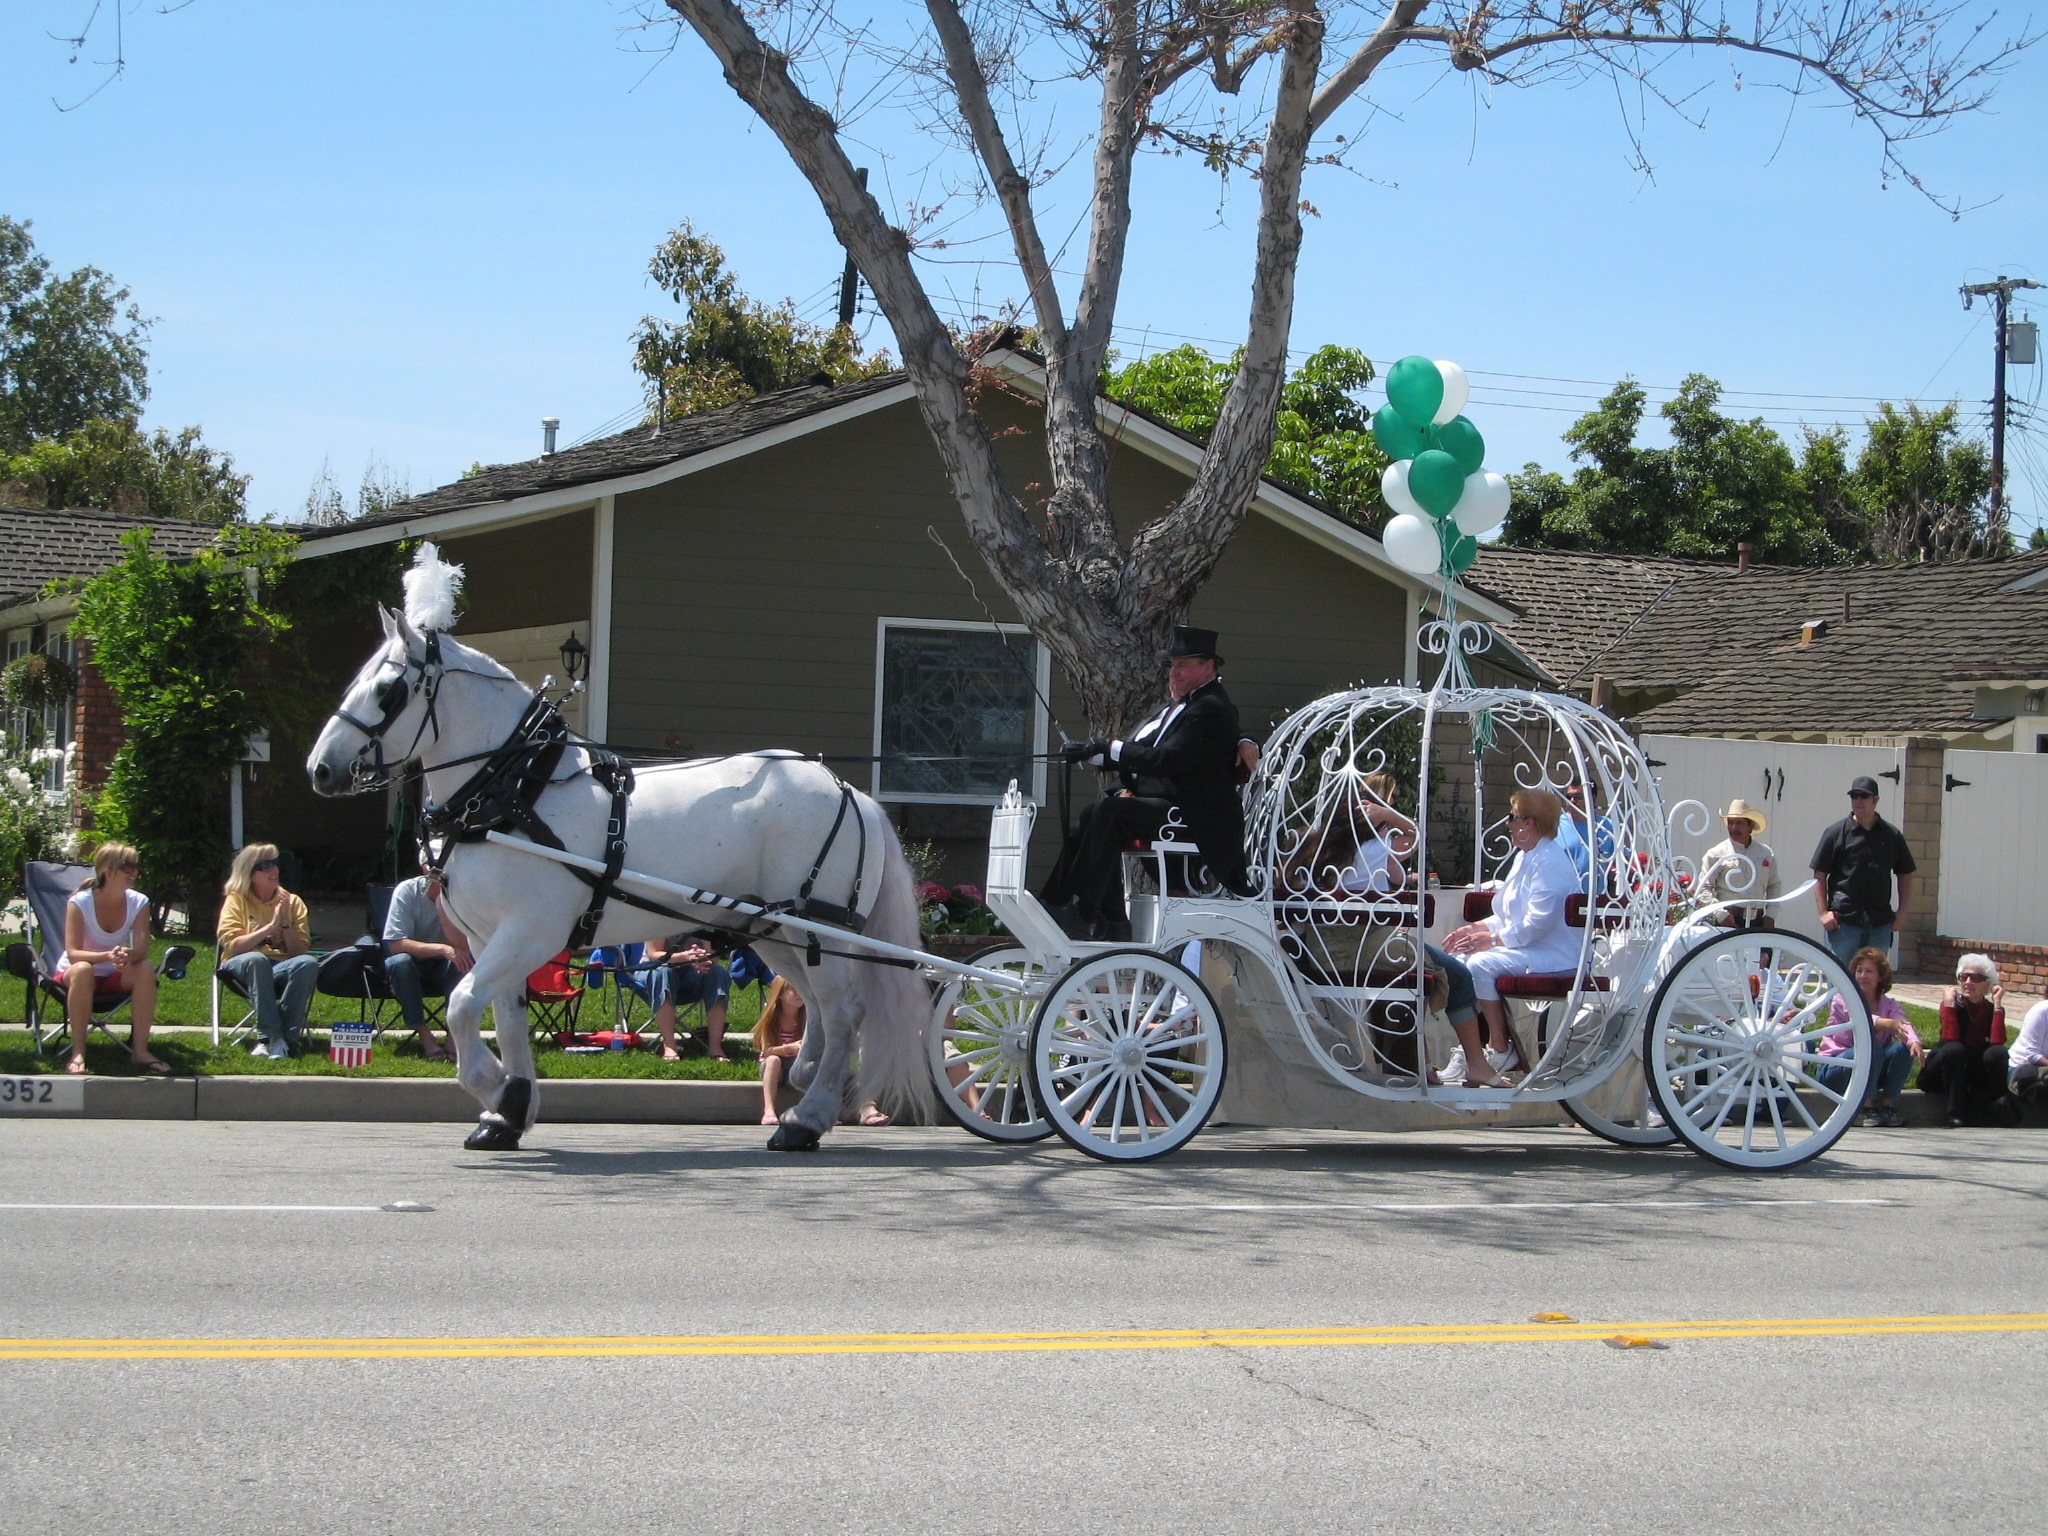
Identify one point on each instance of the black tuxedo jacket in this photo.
(1192, 762)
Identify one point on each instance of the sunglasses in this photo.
(1857, 794)
(265, 864)
(1974, 976)
(129, 868)
(1521, 818)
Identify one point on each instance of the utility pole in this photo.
(849, 280)
(2000, 293)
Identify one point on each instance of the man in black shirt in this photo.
(1853, 869)
(1186, 755)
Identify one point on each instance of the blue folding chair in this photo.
(40, 962)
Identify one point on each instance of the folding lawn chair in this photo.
(39, 962)
(631, 979)
(554, 996)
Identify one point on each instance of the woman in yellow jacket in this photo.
(263, 936)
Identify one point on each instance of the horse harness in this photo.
(503, 791)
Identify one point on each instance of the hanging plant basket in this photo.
(37, 681)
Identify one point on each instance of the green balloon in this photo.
(1461, 440)
(1435, 480)
(1396, 438)
(1460, 549)
(1415, 388)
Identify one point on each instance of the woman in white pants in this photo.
(1526, 936)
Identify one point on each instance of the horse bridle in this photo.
(368, 769)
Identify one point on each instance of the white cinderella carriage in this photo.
(1669, 1027)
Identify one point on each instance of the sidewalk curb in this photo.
(415, 1100)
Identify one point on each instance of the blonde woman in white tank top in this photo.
(106, 947)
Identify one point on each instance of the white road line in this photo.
(1511, 1205)
(323, 1208)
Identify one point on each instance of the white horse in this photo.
(750, 826)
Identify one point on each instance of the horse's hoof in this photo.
(793, 1138)
(515, 1104)
(493, 1136)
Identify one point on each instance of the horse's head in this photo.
(384, 714)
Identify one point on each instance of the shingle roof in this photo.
(636, 450)
(1898, 657)
(38, 546)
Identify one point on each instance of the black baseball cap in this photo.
(1863, 784)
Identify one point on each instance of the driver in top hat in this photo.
(1186, 755)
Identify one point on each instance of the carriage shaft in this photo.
(692, 896)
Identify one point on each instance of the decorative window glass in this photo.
(956, 713)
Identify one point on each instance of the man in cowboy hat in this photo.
(1186, 755)
(1742, 866)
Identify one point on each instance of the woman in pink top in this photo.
(1898, 1043)
(106, 947)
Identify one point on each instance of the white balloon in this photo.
(1456, 392)
(1484, 505)
(1394, 486)
(1413, 545)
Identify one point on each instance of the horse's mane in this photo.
(473, 660)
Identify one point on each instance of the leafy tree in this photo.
(177, 643)
(1921, 488)
(1322, 440)
(729, 347)
(2038, 539)
(112, 464)
(379, 490)
(71, 346)
(1916, 491)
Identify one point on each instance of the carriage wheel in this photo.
(980, 1045)
(1734, 1041)
(1127, 1056)
(1621, 1110)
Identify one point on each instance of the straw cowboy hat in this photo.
(1743, 808)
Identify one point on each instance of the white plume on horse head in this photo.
(431, 587)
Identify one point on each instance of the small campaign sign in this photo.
(349, 1045)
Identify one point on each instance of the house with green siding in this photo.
(792, 571)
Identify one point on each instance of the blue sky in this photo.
(410, 231)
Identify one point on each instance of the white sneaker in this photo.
(1453, 1074)
(1498, 1062)
(279, 1051)
(260, 1048)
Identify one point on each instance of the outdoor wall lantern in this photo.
(575, 658)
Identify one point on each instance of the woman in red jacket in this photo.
(1969, 1064)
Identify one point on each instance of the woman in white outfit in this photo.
(106, 949)
(1526, 936)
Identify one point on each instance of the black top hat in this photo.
(1193, 642)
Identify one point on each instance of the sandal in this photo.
(670, 1053)
(152, 1065)
(75, 1066)
(873, 1117)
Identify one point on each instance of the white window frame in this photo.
(1041, 679)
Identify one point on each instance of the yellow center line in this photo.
(600, 1346)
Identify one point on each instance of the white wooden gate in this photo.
(1994, 847)
(1802, 788)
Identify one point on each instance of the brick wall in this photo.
(2024, 967)
(97, 726)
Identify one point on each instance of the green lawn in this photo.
(187, 1002)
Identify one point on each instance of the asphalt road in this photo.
(656, 1233)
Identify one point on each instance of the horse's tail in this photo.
(897, 1003)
